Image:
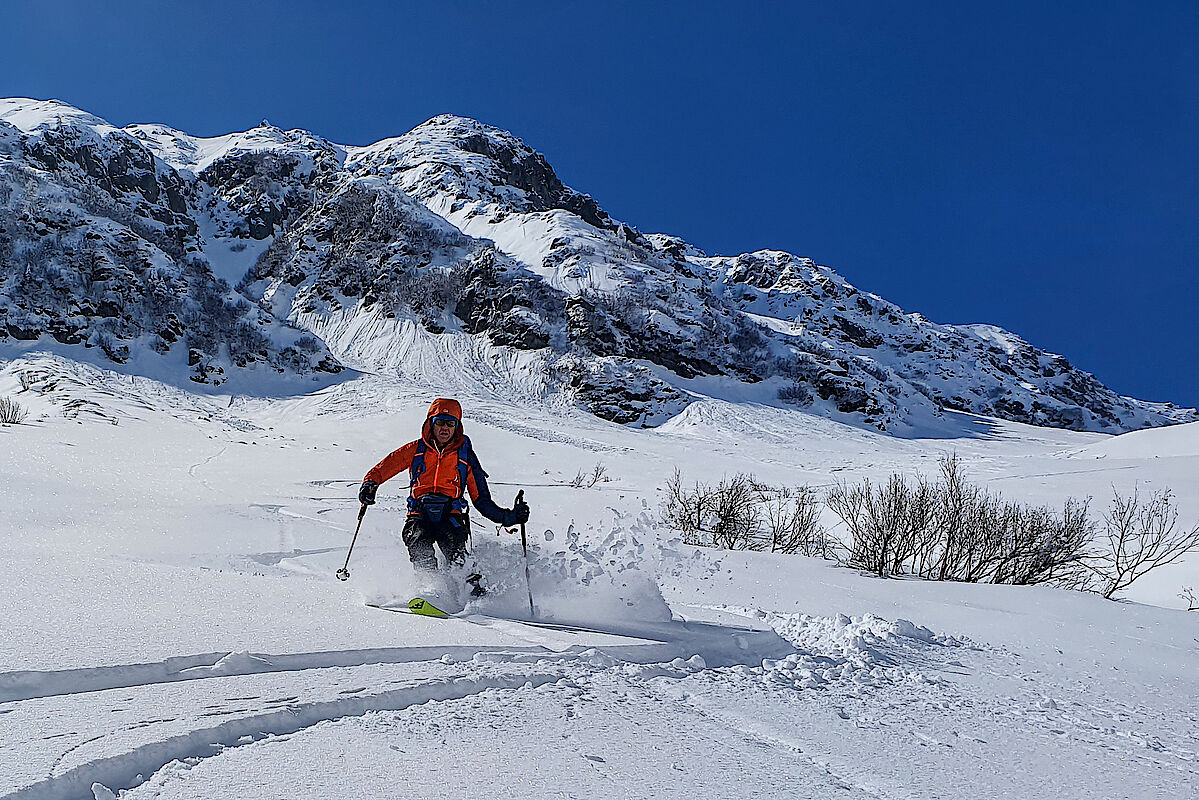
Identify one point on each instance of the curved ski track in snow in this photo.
(127, 769)
(143, 748)
(29, 684)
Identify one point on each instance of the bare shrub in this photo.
(725, 515)
(685, 508)
(629, 306)
(429, 292)
(1188, 594)
(308, 344)
(791, 522)
(888, 523)
(962, 516)
(1040, 546)
(1141, 535)
(734, 521)
(586, 480)
(795, 394)
(952, 530)
(11, 412)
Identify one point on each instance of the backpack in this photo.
(434, 506)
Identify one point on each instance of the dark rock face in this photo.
(265, 189)
(509, 309)
(365, 241)
(526, 169)
(120, 166)
(620, 391)
(110, 262)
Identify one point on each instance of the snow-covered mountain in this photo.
(456, 248)
(102, 245)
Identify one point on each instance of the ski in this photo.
(421, 607)
(417, 605)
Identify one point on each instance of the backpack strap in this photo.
(418, 463)
(464, 458)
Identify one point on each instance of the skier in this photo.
(443, 467)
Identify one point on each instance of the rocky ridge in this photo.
(217, 250)
(100, 246)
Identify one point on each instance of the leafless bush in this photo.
(887, 523)
(795, 394)
(685, 508)
(1039, 546)
(725, 515)
(1188, 594)
(1141, 535)
(11, 412)
(629, 306)
(791, 522)
(952, 530)
(430, 291)
(586, 480)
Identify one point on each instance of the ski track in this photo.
(530, 667)
(129, 768)
(191, 471)
(861, 708)
(575, 718)
(29, 684)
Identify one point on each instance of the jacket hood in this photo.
(449, 407)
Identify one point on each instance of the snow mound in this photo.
(1176, 441)
(31, 115)
(865, 651)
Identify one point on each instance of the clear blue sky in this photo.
(1032, 165)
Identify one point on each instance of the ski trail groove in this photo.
(191, 471)
(718, 645)
(124, 770)
(28, 685)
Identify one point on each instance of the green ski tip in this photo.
(419, 605)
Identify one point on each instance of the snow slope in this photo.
(174, 630)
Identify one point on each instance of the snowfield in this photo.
(173, 628)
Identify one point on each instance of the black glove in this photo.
(366, 495)
(519, 515)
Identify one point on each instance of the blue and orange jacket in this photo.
(451, 471)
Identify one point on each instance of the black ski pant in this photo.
(450, 533)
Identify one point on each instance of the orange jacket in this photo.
(443, 471)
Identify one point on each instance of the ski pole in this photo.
(524, 543)
(343, 574)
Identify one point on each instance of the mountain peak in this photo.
(455, 124)
(474, 162)
(30, 115)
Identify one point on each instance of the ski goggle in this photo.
(449, 422)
